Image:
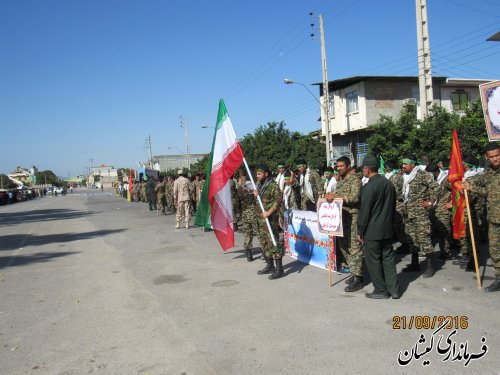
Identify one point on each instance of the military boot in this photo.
(414, 266)
(428, 271)
(356, 284)
(493, 287)
(268, 268)
(249, 255)
(278, 272)
(177, 225)
(187, 224)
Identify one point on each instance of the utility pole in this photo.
(424, 58)
(184, 124)
(326, 96)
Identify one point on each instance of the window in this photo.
(415, 93)
(361, 151)
(332, 106)
(352, 101)
(459, 100)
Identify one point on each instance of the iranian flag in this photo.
(215, 207)
(455, 177)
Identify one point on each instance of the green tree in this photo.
(48, 177)
(6, 182)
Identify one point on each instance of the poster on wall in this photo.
(330, 217)
(490, 99)
(305, 242)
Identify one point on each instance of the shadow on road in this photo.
(13, 218)
(15, 241)
(23, 260)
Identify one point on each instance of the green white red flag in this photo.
(455, 177)
(224, 160)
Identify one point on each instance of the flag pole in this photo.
(260, 202)
(471, 230)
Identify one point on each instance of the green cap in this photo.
(370, 161)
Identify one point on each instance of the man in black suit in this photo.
(376, 213)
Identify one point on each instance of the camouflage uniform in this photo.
(234, 201)
(317, 189)
(198, 187)
(398, 222)
(144, 197)
(160, 197)
(169, 195)
(417, 222)
(349, 189)
(441, 218)
(247, 203)
(487, 185)
(271, 197)
(466, 242)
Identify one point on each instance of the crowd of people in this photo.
(407, 206)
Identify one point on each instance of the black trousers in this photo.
(379, 259)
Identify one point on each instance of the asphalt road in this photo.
(92, 284)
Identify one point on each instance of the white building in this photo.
(358, 102)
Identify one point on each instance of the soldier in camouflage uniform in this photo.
(349, 189)
(270, 195)
(144, 197)
(396, 178)
(160, 196)
(440, 214)
(198, 187)
(169, 194)
(247, 203)
(311, 186)
(487, 185)
(419, 191)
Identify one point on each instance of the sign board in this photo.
(490, 99)
(330, 217)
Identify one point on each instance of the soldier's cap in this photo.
(370, 161)
(329, 170)
(409, 159)
(262, 168)
(432, 167)
(281, 166)
(180, 171)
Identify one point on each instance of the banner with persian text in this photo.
(305, 242)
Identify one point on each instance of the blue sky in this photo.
(92, 79)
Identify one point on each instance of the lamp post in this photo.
(325, 115)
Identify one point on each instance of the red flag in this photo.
(455, 177)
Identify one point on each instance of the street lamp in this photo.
(325, 114)
(206, 127)
(184, 124)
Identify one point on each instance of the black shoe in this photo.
(462, 261)
(377, 295)
(445, 256)
(349, 280)
(414, 266)
(249, 255)
(278, 272)
(268, 268)
(395, 295)
(495, 287)
(428, 271)
(357, 284)
(403, 249)
(470, 267)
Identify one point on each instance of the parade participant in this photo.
(419, 190)
(487, 185)
(330, 180)
(279, 178)
(310, 186)
(440, 214)
(348, 188)
(378, 201)
(160, 196)
(198, 187)
(144, 196)
(248, 215)
(290, 193)
(150, 192)
(398, 226)
(169, 194)
(270, 195)
(183, 192)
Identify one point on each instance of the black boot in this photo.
(357, 284)
(493, 287)
(470, 267)
(249, 255)
(278, 271)
(462, 261)
(414, 266)
(403, 249)
(349, 280)
(268, 268)
(428, 271)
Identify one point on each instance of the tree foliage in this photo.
(393, 138)
(48, 177)
(6, 182)
(272, 143)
